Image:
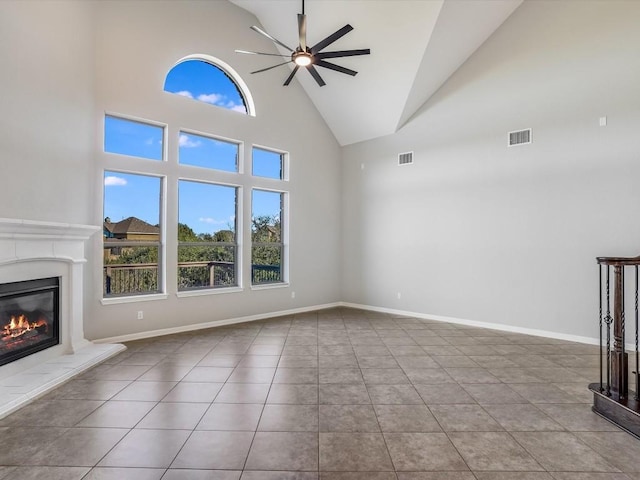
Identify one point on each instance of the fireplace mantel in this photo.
(29, 250)
(32, 229)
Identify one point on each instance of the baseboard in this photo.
(475, 323)
(216, 323)
(392, 311)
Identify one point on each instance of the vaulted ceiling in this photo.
(416, 45)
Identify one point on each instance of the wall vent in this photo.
(520, 137)
(405, 158)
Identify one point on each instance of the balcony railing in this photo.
(265, 274)
(120, 279)
(140, 278)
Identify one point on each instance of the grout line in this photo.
(318, 399)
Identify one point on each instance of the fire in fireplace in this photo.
(28, 317)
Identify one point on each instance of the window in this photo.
(202, 177)
(133, 138)
(206, 82)
(132, 234)
(267, 249)
(267, 163)
(206, 152)
(207, 245)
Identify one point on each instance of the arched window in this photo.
(209, 80)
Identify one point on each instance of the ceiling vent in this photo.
(405, 158)
(520, 137)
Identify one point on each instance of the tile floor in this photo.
(337, 394)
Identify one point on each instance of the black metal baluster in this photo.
(600, 316)
(108, 281)
(624, 381)
(637, 372)
(608, 320)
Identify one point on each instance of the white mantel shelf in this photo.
(14, 229)
(31, 249)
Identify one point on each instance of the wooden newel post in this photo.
(619, 360)
(212, 274)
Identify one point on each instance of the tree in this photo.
(209, 259)
(186, 233)
(266, 253)
(265, 229)
(226, 236)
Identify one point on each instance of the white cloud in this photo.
(184, 93)
(213, 98)
(231, 105)
(186, 141)
(112, 181)
(217, 99)
(212, 221)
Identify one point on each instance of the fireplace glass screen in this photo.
(28, 317)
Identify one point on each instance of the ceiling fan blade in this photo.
(314, 73)
(262, 53)
(290, 77)
(331, 38)
(343, 53)
(273, 39)
(302, 31)
(269, 68)
(337, 68)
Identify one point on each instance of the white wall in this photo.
(46, 111)
(137, 43)
(478, 231)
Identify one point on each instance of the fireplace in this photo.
(52, 348)
(29, 312)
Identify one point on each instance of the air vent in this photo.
(405, 158)
(520, 137)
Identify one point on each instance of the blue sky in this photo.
(128, 195)
(202, 81)
(205, 208)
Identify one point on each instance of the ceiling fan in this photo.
(310, 57)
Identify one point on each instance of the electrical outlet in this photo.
(399, 295)
(293, 294)
(140, 315)
(603, 121)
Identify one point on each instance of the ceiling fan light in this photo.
(302, 60)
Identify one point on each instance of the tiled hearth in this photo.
(32, 250)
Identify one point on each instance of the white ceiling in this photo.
(416, 45)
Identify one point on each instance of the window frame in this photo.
(144, 121)
(170, 172)
(242, 87)
(161, 243)
(193, 291)
(239, 157)
(283, 244)
(284, 167)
